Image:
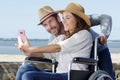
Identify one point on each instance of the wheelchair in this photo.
(93, 73)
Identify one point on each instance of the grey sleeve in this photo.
(105, 22)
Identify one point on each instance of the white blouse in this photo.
(78, 45)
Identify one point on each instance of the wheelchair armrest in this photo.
(42, 60)
(46, 60)
(82, 60)
(39, 59)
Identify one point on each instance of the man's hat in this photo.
(45, 12)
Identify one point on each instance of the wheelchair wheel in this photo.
(100, 75)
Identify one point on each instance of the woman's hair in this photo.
(81, 25)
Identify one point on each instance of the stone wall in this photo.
(8, 69)
(116, 68)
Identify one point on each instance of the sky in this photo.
(23, 14)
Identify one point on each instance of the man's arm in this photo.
(105, 22)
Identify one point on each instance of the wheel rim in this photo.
(103, 77)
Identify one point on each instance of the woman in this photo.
(77, 42)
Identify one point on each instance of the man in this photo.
(50, 20)
(52, 23)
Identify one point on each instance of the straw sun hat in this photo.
(76, 9)
(44, 13)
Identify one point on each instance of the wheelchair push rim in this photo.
(100, 75)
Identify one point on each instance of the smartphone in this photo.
(22, 35)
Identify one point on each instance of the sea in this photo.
(7, 46)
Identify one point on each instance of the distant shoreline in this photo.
(20, 58)
(47, 39)
(9, 39)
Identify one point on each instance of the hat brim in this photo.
(46, 16)
(78, 13)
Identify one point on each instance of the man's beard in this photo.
(54, 31)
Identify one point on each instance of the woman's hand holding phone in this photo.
(23, 43)
(21, 38)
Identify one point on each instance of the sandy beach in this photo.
(115, 58)
(12, 58)
(20, 58)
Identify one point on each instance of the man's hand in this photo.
(102, 40)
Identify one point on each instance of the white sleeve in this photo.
(77, 41)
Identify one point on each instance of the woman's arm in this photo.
(38, 51)
(46, 49)
(28, 50)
